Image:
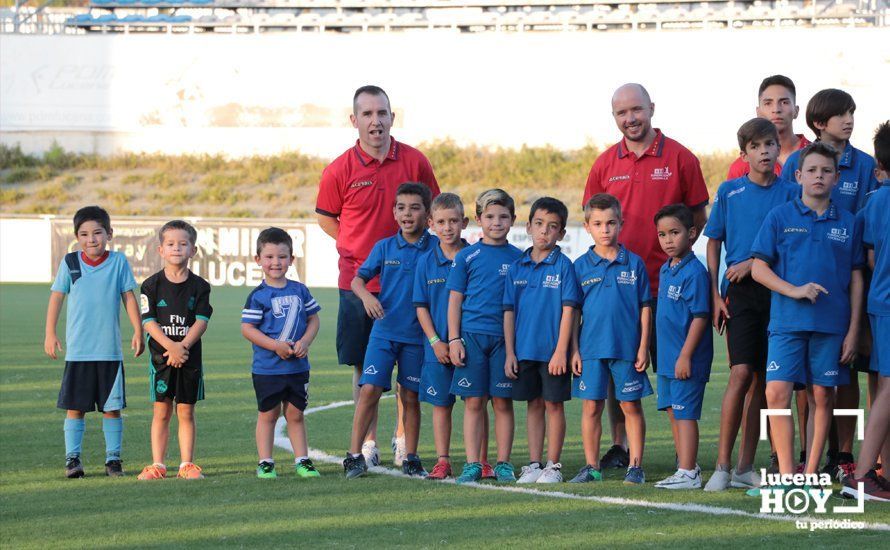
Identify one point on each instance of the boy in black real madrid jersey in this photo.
(175, 310)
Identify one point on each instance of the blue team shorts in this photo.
(483, 373)
(435, 384)
(806, 358)
(880, 344)
(683, 397)
(381, 358)
(593, 384)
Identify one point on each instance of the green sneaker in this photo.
(471, 473)
(305, 468)
(266, 470)
(587, 474)
(504, 472)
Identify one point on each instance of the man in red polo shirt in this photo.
(354, 206)
(776, 102)
(646, 171)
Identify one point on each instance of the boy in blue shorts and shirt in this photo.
(476, 333)
(809, 254)
(96, 281)
(396, 336)
(611, 342)
(740, 304)
(682, 327)
(280, 319)
(540, 296)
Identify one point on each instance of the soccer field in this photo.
(39, 508)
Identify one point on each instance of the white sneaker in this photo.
(371, 453)
(682, 480)
(551, 473)
(530, 473)
(748, 480)
(399, 452)
(719, 481)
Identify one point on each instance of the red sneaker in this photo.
(442, 470)
(844, 470)
(870, 488)
(488, 471)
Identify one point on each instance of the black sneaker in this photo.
(773, 467)
(113, 468)
(831, 464)
(73, 467)
(616, 457)
(412, 466)
(355, 466)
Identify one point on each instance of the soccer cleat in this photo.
(871, 488)
(587, 474)
(152, 471)
(412, 466)
(844, 469)
(747, 480)
(442, 470)
(504, 472)
(615, 457)
(113, 468)
(73, 467)
(189, 470)
(355, 466)
(634, 476)
(371, 454)
(530, 473)
(719, 481)
(306, 469)
(471, 473)
(399, 452)
(266, 470)
(488, 472)
(773, 467)
(552, 473)
(681, 480)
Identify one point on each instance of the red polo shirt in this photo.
(739, 167)
(361, 192)
(667, 173)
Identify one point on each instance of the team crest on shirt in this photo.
(674, 291)
(143, 303)
(627, 277)
(848, 187)
(551, 281)
(661, 174)
(503, 270)
(838, 234)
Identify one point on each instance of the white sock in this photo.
(299, 458)
(690, 473)
(160, 465)
(182, 464)
(269, 460)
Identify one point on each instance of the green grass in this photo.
(39, 508)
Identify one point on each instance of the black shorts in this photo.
(353, 329)
(653, 341)
(93, 386)
(747, 331)
(536, 381)
(862, 363)
(185, 385)
(274, 389)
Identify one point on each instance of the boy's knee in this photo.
(593, 409)
(501, 404)
(553, 407)
(536, 404)
(631, 408)
(777, 397)
(185, 412)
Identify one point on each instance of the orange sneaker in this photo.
(153, 471)
(488, 471)
(190, 470)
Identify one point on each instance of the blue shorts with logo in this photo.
(593, 384)
(381, 358)
(806, 358)
(483, 373)
(880, 347)
(435, 384)
(683, 397)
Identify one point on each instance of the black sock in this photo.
(845, 458)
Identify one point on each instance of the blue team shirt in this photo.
(738, 212)
(684, 293)
(430, 292)
(395, 260)
(857, 177)
(875, 221)
(282, 314)
(537, 293)
(92, 324)
(802, 247)
(613, 292)
(478, 273)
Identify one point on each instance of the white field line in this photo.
(283, 442)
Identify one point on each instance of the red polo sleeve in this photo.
(330, 196)
(695, 192)
(594, 181)
(427, 176)
(737, 169)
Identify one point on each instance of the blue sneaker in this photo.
(587, 474)
(471, 473)
(504, 472)
(634, 476)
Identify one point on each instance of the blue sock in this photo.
(74, 428)
(114, 434)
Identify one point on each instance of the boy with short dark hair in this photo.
(540, 296)
(175, 307)
(740, 304)
(684, 340)
(96, 281)
(611, 341)
(396, 336)
(280, 319)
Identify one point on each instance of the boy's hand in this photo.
(683, 368)
(177, 355)
(809, 291)
(373, 307)
(557, 365)
(51, 345)
(720, 313)
(848, 349)
(137, 344)
(301, 349)
(642, 362)
(283, 349)
(511, 367)
(440, 348)
(739, 271)
(576, 363)
(456, 352)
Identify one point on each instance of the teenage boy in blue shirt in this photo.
(396, 336)
(611, 340)
(740, 304)
(809, 254)
(684, 340)
(540, 296)
(476, 333)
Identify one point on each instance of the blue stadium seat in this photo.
(179, 18)
(80, 19)
(133, 18)
(159, 18)
(201, 2)
(102, 2)
(106, 18)
(125, 2)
